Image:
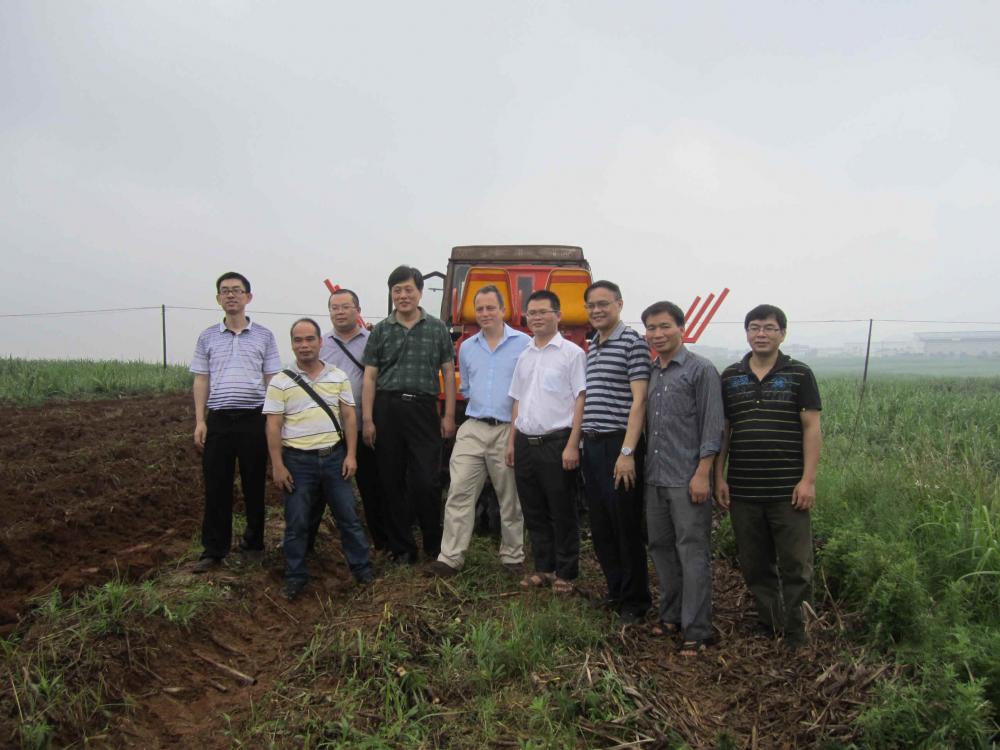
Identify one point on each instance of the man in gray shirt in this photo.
(684, 421)
(344, 346)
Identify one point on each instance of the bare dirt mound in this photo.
(91, 490)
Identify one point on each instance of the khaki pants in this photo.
(478, 453)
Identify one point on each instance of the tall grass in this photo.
(908, 525)
(25, 382)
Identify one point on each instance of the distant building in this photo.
(961, 343)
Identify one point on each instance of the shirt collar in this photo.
(362, 331)
(779, 364)
(423, 316)
(680, 358)
(507, 333)
(556, 341)
(326, 368)
(223, 327)
(615, 334)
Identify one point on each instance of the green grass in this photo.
(25, 382)
(57, 670)
(908, 524)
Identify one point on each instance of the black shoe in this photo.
(206, 564)
(403, 558)
(245, 546)
(365, 578)
(293, 587)
(438, 569)
(628, 617)
(607, 603)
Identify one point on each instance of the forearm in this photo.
(368, 393)
(636, 417)
(200, 391)
(272, 430)
(576, 429)
(350, 421)
(812, 443)
(448, 377)
(720, 460)
(705, 464)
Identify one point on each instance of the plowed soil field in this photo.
(104, 489)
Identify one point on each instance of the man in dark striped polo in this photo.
(618, 365)
(773, 442)
(403, 358)
(233, 362)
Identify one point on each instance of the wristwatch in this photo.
(627, 452)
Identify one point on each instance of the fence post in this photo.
(163, 332)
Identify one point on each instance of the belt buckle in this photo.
(407, 397)
(324, 452)
(536, 440)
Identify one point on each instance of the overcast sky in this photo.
(841, 160)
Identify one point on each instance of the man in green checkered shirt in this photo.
(400, 420)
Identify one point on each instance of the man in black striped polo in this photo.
(773, 442)
(618, 365)
(233, 362)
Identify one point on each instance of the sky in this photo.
(840, 160)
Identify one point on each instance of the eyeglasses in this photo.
(341, 308)
(769, 330)
(599, 305)
(233, 291)
(538, 313)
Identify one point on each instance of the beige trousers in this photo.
(479, 452)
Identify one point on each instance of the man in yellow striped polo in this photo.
(313, 447)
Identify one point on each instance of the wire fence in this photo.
(167, 333)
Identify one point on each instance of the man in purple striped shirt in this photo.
(233, 362)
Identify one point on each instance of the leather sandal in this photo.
(661, 628)
(562, 586)
(536, 580)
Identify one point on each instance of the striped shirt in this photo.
(765, 439)
(684, 418)
(236, 364)
(408, 359)
(306, 426)
(611, 368)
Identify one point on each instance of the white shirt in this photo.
(546, 383)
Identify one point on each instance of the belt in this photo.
(595, 435)
(548, 437)
(400, 395)
(321, 452)
(491, 421)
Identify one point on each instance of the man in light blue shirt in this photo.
(483, 444)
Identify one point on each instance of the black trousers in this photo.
(548, 502)
(616, 522)
(408, 456)
(371, 495)
(234, 435)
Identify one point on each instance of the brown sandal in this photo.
(661, 628)
(691, 648)
(562, 586)
(536, 580)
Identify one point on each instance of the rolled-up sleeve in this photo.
(711, 417)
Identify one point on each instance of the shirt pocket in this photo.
(679, 400)
(552, 381)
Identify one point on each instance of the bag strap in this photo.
(350, 356)
(316, 397)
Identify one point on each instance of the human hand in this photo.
(625, 472)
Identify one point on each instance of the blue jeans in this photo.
(320, 477)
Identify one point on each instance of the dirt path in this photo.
(96, 489)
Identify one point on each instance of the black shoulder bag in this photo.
(350, 356)
(316, 397)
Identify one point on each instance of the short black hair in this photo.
(763, 312)
(319, 333)
(551, 297)
(658, 308)
(232, 275)
(489, 289)
(354, 297)
(603, 284)
(405, 273)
